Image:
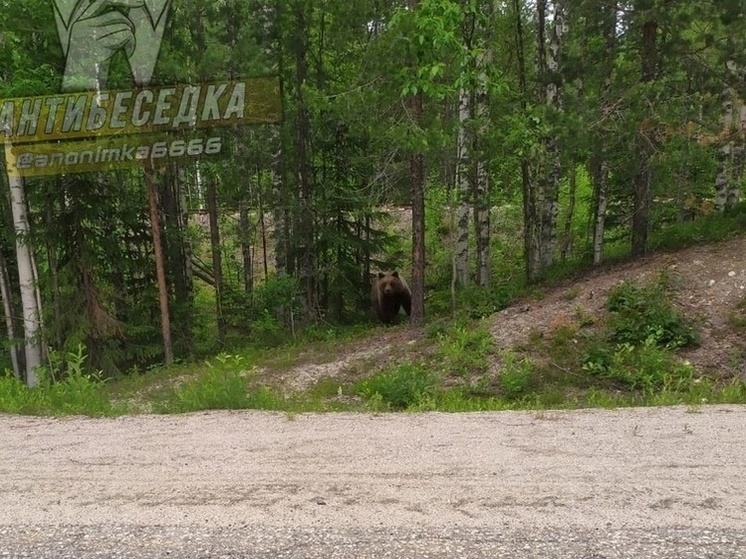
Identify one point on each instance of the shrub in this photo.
(646, 367)
(516, 376)
(221, 386)
(65, 388)
(403, 387)
(464, 349)
(643, 314)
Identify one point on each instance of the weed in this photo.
(571, 294)
(220, 386)
(65, 388)
(516, 376)
(643, 313)
(398, 389)
(584, 319)
(737, 317)
(646, 367)
(464, 350)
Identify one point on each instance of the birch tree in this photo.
(600, 161)
(463, 188)
(30, 300)
(541, 185)
(731, 151)
(417, 187)
(482, 190)
(552, 173)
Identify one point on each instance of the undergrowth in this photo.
(65, 388)
(627, 357)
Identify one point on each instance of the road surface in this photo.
(632, 483)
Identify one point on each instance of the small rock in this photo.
(731, 274)
(712, 282)
(318, 500)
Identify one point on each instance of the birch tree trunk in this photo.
(482, 224)
(243, 226)
(184, 289)
(530, 251)
(463, 188)
(567, 236)
(552, 172)
(602, 188)
(731, 152)
(55, 336)
(306, 234)
(281, 225)
(601, 159)
(29, 299)
(482, 189)
(739, 162)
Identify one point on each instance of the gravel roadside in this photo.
(652, 482)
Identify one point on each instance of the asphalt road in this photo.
(633, 484)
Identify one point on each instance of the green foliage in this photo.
(646, 367)
(262, 315)
(463, 349)
(708, 228)
(516, 376)
(220, 386)
(428, 36)
(403, 387)
(644, 314)
(65, 388)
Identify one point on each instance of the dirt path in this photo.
(634, 469)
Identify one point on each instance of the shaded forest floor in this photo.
(708, 286)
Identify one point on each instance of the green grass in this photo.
(65, 388)
(458, 369)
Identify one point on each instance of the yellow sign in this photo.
(145, 110)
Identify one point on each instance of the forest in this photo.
(477, 146)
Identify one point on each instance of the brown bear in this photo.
(390, 293)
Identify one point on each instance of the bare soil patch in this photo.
(709, 283)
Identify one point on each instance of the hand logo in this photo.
(92, 31)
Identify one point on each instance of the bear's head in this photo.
(389, 283)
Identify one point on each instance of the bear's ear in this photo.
(395, 274)
(381, 275)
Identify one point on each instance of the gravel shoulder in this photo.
(509, 472)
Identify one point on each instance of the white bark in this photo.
(482, 179)
(731, 152)
(602, 178)
(550, 182)
(463, 187)
(601, 202)
(482, 225)
(31, 305)
(722, 179)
